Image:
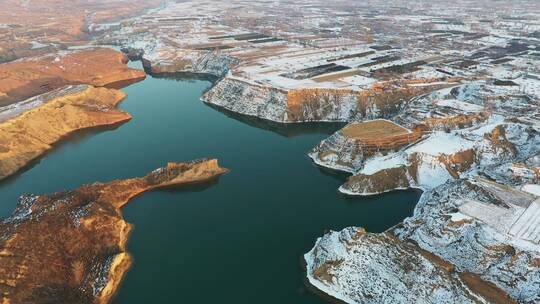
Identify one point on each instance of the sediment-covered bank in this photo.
(71, 246)
(44, 99)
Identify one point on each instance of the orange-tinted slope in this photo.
(57, 21)
(98, 67)
(70, 247)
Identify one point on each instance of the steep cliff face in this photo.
(447, 156)
(349, 148)
(48, 118)
(459, 139)
(166, 60)
(308, 104)
(395, 178)
(439, 255)
(70, 247)
(98, 67)
(446, 222)
(479, 234)
(359, 267)
(248, 99)
(321, 105)
(339, 152)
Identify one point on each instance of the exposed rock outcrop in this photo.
(359, 267)
(309, 104)
(470, 239)
(347, 149)
(460, 139)
(441, 254)
(48, 118)
(447, 156)
(248, 99)
(70, 247)
(170, 61)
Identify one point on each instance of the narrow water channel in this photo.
(239, 240)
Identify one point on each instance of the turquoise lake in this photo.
(238, 240)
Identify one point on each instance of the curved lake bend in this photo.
(238, 241)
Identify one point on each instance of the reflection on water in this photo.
(72, 139)
(284, 129)
(184, 76)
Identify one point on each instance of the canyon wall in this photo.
(308, 104)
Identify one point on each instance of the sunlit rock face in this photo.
(26, 78)
(243, 96)
(70, 247)
(31, 128)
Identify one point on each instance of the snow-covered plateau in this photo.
(474, 235)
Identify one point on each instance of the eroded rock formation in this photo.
(471, 238)
(70, 247)
(170, 61)
(347, 149)
(311, 104)
(459, 138)
(468, 241)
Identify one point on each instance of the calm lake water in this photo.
(239, 240)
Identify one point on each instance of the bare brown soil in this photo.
(70, 247)
(380, 135)
(57, 21)
(374, 130)
(22, 79)
(33, 133)
(334, 77)
(486, 289)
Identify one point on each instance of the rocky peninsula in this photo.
(70, 247)
(48, 98)
(48, 118)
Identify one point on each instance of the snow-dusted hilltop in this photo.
(468, 241)
(164, 61)
(457, 133)
(475, 234)
(273, 78)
